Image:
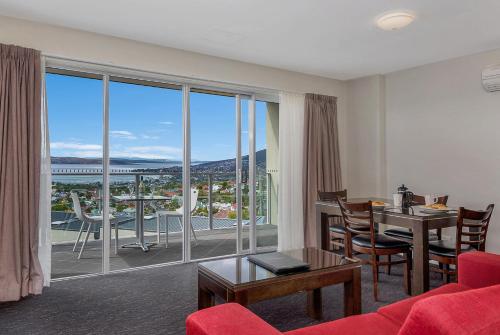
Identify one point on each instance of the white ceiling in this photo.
(331, 38)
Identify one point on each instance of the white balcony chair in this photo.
(176, 214)
(91, 221)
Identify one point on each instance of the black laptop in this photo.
(278, 263)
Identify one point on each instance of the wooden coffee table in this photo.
(239, 280)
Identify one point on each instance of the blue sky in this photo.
(145, 122)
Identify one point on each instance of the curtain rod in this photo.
(117, 70)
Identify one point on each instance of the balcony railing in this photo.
(134, 176)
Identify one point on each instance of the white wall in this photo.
(91, 47)
(365, 122)
(443, 134)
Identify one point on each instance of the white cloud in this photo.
(148, 152)
(86, 154)
(75, 146)
(150, 137)
(167, 123)
(125, 134)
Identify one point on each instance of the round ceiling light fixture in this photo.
(395, 20)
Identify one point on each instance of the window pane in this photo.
(145, 129)
(267, 172)
(75, 125)
(213, 172)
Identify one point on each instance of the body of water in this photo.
(92, 168)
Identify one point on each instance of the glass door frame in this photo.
(105, 72)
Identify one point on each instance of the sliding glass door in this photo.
(213, 174)
(148, 172)
(146, 141)
(76, 123)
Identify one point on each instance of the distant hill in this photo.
(113, 161)
(226, 165)
(229, 165)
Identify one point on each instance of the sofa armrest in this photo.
(227, 319)
(478, 269)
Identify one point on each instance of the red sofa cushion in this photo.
(473, 312)
(227, 319)
(372, 323)
(398, 311)
(478, 269)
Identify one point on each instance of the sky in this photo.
(144, 122)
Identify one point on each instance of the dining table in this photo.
(416, 218)
(139, 199)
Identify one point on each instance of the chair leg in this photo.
(85, 240)
(375, 277)
(439, 233)
(194, 234)
(407, 273)
(79, 236)
(388, 270)
(441, 267)
(447, 274)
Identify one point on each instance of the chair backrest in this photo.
(194, 199)
(76, 205)
(194, 202)
(472, 227)
(358, 220)
(332, 196)
(420, 200)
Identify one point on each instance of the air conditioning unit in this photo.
(491, 78)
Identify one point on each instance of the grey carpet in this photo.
(210, 244)
(157, 301)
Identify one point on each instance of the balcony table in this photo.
(139, 217)
(412, 218)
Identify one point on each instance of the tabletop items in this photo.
(414, 219)
(403, 197)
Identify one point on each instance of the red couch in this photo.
(471, 306)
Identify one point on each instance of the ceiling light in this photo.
(395, 20)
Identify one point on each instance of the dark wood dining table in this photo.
(412, 218)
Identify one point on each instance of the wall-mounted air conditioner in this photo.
(491, 78)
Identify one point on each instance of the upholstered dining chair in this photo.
(472, 229)
(362, 237)
(407, 234)
(337, 229)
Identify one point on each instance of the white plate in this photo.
(434, 210)
(381, 206)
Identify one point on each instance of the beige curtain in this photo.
(321, 157)
(20, 107)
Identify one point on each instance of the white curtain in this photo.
(44, 213)
(290, 197)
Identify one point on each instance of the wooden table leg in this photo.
(352, 294)
(325, 231)
(314, 304)
(420, 258)
(206, 298)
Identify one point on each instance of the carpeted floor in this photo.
(157, 301)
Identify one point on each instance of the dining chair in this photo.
(91, 222)
(362, 237)
(178, 213)
(337, 229)
(407, 234)
(472, 229)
